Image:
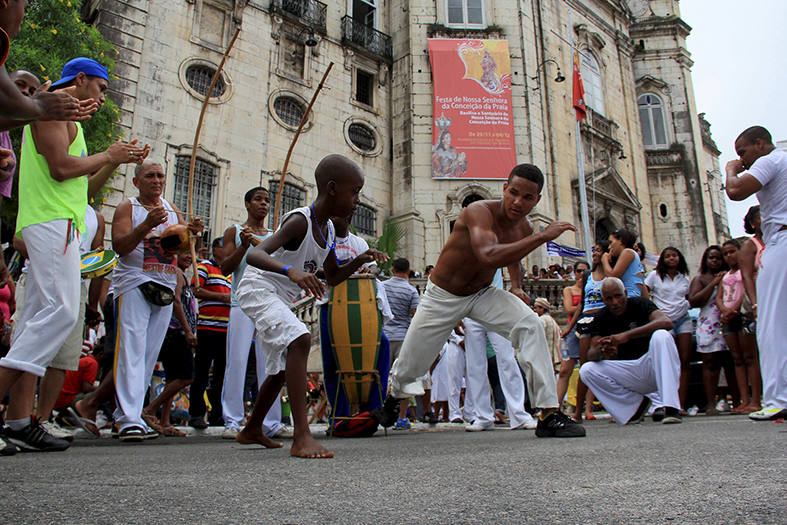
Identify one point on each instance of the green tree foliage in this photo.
(390, 242)
(52, 33)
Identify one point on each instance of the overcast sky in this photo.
(740, 80)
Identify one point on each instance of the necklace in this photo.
(317, 224)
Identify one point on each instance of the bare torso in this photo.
(458, 269)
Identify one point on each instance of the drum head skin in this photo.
(97, 263)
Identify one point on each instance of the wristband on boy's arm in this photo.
(284, 270)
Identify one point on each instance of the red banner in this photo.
(473, 133)
(579, 90)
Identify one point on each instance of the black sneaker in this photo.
(151, 434)
(198, 423)
(658, 414)
(6, 447)
(33, 438)
(639, 415)
(671, 416)
(389, 413)
(557, 424)
(429, 418)
(132, 434)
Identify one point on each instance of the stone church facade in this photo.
(649, 160)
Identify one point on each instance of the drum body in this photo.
(98, 263)
(355, 328)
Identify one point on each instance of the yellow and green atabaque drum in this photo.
(355, 327)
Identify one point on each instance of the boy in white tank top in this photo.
(279, 268)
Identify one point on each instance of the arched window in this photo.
(651, 116)
(591, 78)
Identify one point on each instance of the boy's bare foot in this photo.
(307, 447)
(249, 436)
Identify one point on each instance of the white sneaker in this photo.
(230, 433)
(723, 406)
(770, 413)
(56, 431)
(529, 424)
(480, 427)
(284, 432)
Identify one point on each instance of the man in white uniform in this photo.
(240, 330)
(143, 285)
(767, 177)
(478, 392)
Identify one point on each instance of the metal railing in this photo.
(310, 12)
(367, 38)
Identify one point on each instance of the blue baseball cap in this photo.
(74, 67)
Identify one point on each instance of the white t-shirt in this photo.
(350, 247)
(669, 294)
(771, 171)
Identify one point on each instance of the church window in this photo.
(466, 13)
(471, 199)
(289, 110)
(205, 180)
(651, 116)
(362, 136)
(199, 78)
(591, 78)
(291, 197)
(365, 221)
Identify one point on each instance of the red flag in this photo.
(579, 90)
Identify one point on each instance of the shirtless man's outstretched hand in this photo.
(556, 229)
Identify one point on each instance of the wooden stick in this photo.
(194, 149)
(304, 120)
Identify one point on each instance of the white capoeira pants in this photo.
(621, 385)
(771, 328)
(500, 312)
(455, 370)
(51, 305)
(240, 333)
(478, 397)
(140, 329)
(440, 379)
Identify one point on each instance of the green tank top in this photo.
(42, 198)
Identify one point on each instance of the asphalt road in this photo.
(709, 470)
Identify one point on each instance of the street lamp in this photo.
(559, 78)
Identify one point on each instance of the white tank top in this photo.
(91, 225)
(309, 257)
(147, 262)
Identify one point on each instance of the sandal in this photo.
(172, 432)
(84, 423)
(712, 412)
(151, 422)
(590, 417)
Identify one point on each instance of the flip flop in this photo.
(84, 423)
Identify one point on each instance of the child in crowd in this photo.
(740, 342)
(669, 287)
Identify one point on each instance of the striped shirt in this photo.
(403, 298)
(213, 315)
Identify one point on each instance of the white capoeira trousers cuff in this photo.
(500, 312)
(771, 328)
(51, 305)
(140, 329)
(621, 385)
(240, 334)
(455, 362)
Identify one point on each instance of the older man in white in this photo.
(632, 359)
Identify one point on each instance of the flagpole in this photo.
(583, 198)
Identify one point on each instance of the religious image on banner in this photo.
(474, 135)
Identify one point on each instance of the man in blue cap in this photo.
(56, 178)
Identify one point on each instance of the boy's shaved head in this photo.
(334, 168)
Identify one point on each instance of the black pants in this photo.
(494, 382)
(211, 348)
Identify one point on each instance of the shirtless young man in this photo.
(488, 235)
